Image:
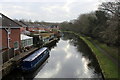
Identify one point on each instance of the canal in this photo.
(69, 57)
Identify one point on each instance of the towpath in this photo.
(105, 53)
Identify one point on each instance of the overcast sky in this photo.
(47, 10)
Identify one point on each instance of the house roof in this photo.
(21, 23)
(24, 37)
(28, 24)
(38, 25)
(6, 22)
(33, 25)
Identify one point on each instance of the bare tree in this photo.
(112, 7)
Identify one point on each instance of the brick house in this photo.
(52, 28)
(31, 27)
(10, 33)
(35, 27)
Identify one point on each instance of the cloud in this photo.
(32, 0)
(47, 10)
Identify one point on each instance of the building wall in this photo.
(31, 28)
(0, 39)
(22, 29)
(14, 36)
(3, 39)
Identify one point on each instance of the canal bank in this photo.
(109, 69)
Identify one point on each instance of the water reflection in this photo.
(66, 62)
(85, 51)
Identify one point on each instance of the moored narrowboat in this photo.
(31, 62)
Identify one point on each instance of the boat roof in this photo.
(35, 54)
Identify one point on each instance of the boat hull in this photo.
(37, 65)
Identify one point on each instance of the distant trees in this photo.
(102, 24)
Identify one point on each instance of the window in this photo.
(21, 43)
(29, 42)
(16, 45)
(45, 52)
(32, 41)
(24, 43)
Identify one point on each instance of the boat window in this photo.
(34, 61)
(45, 52)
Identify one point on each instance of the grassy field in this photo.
(109, 68)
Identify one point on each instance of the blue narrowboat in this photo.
(31, 62)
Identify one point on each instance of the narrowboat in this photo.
(31, 62)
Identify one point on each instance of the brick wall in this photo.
(22, 29)
(15, 36)
(3, 39)
(0, 39)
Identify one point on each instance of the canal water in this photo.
(69, 57)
